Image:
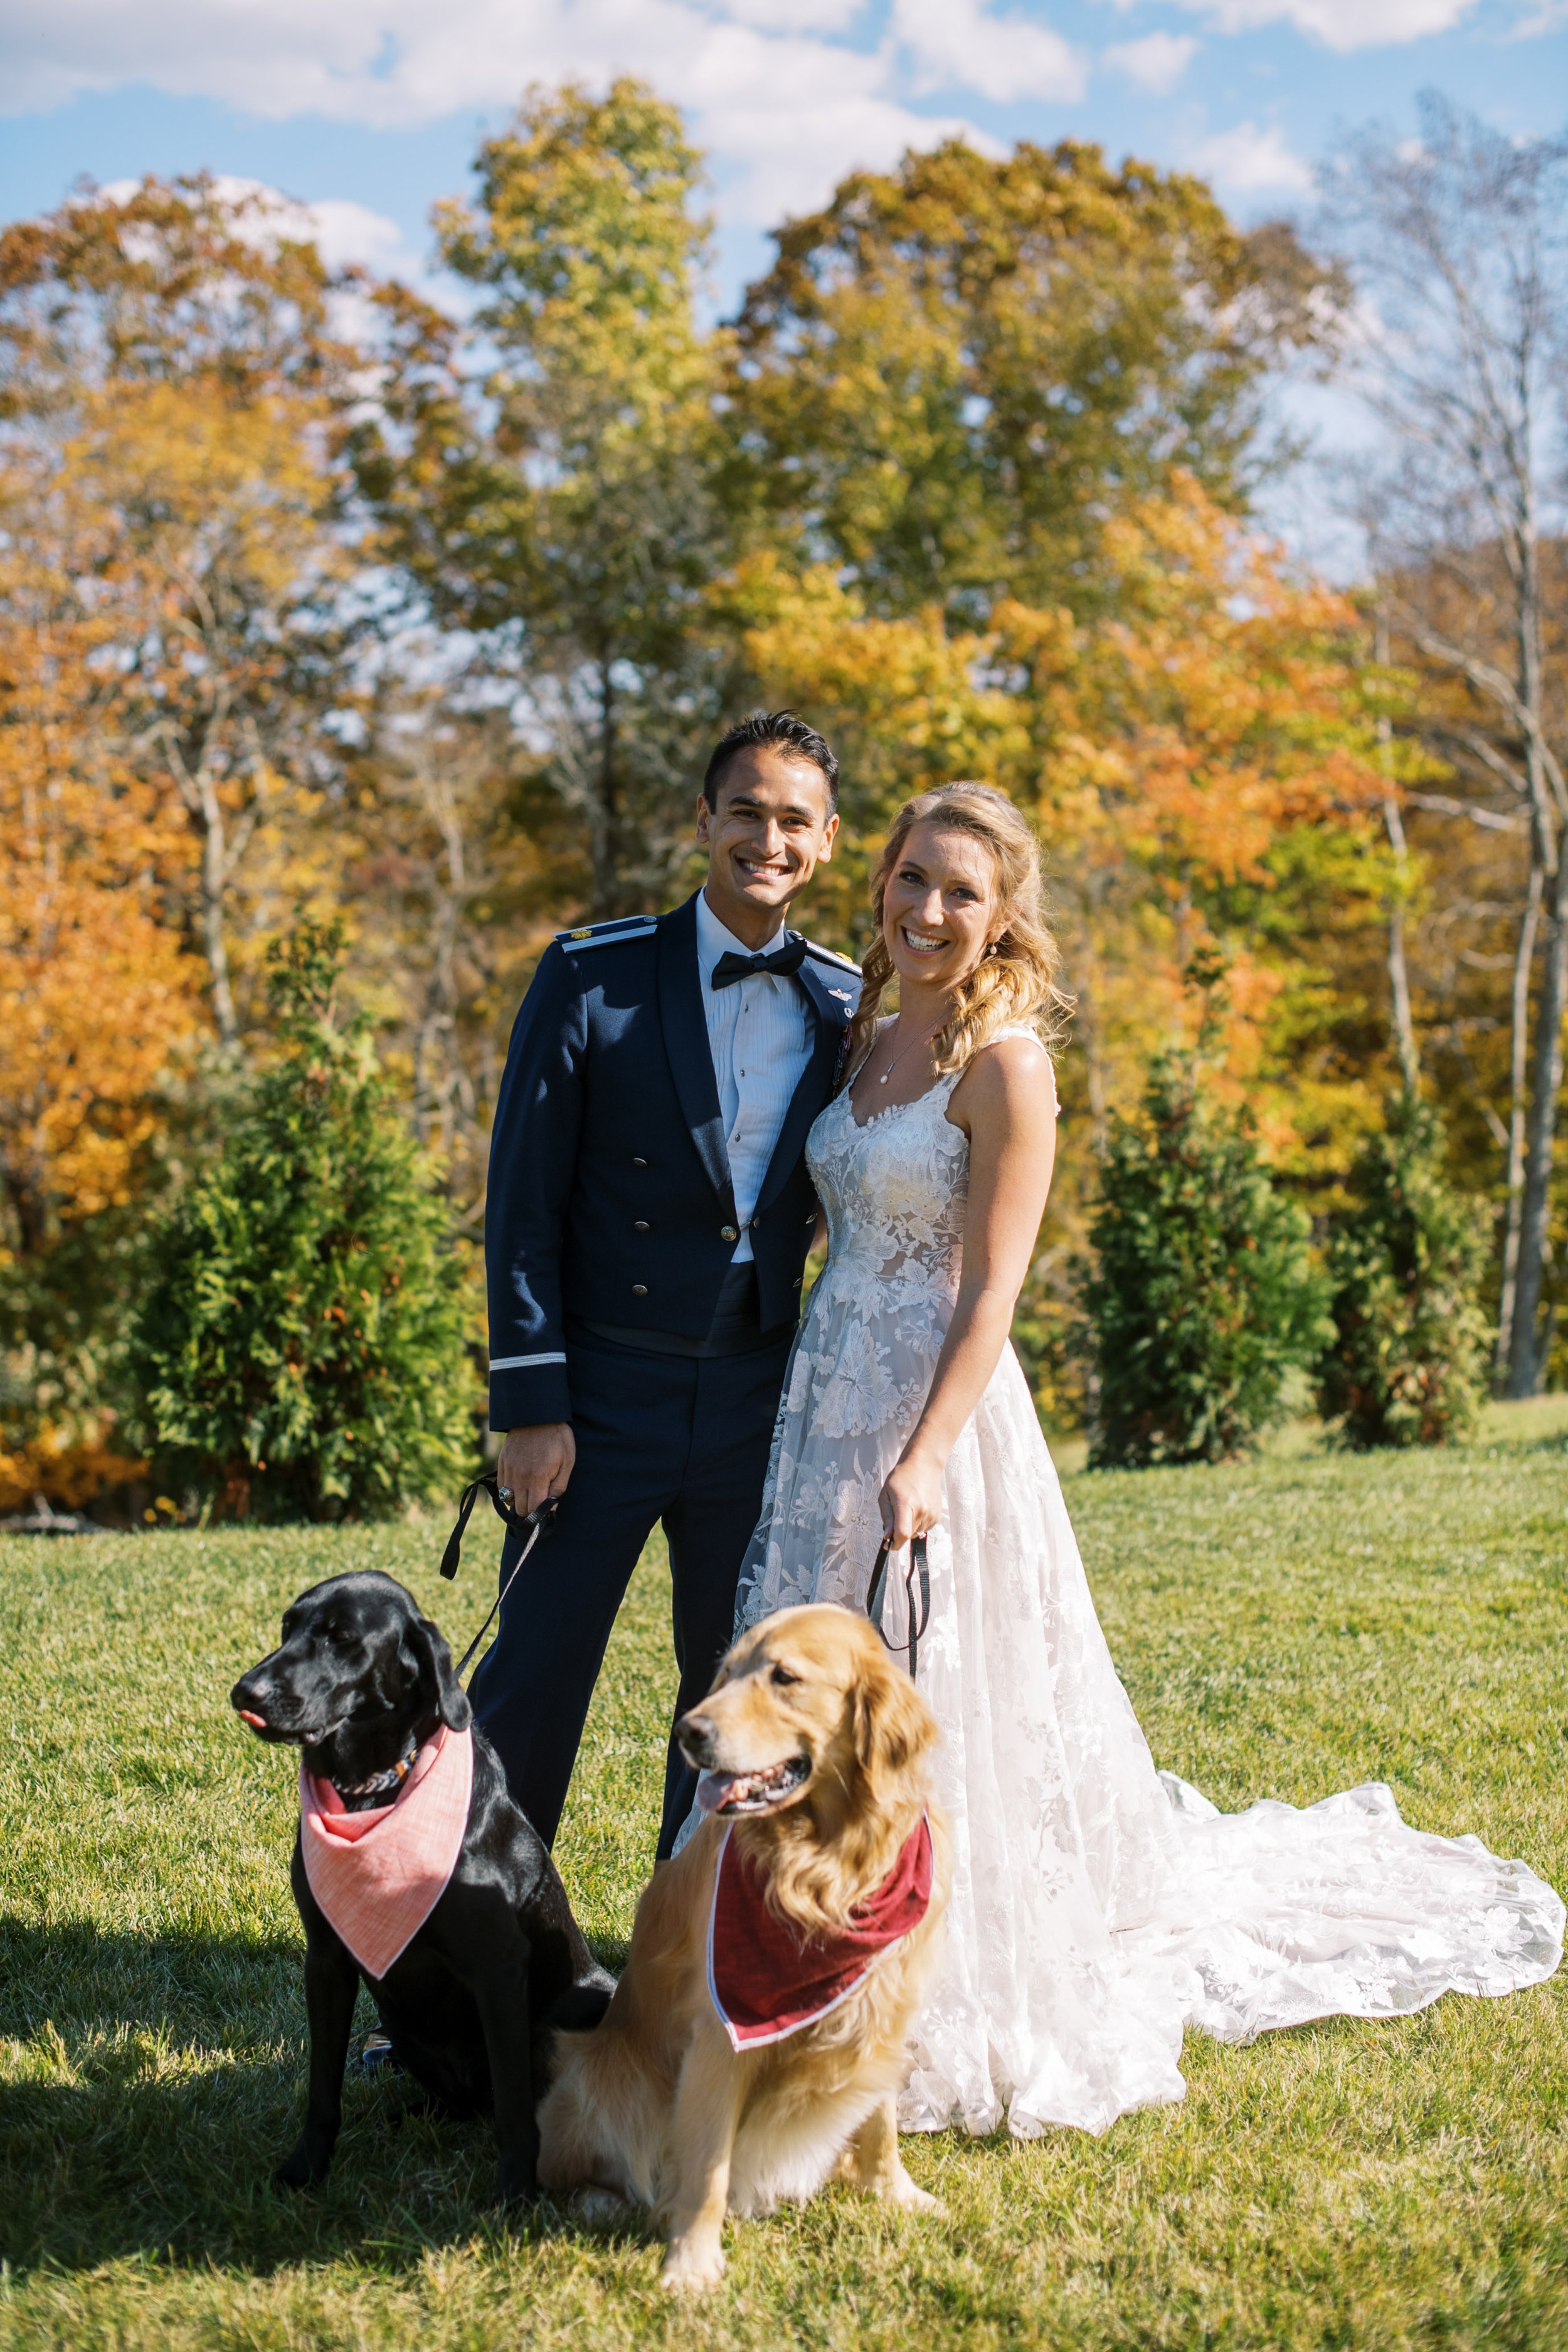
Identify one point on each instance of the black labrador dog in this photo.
(361, 1680)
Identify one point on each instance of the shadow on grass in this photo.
(153, 2081)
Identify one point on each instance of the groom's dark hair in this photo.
(786, 733)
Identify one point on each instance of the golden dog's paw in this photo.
(693, 2265)
(910, 2197)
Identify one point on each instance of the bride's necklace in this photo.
(924, 1039)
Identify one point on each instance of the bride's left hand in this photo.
(912, 1499)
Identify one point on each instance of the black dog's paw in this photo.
(304, 2167)
(516, 2180)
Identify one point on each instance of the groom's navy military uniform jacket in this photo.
(609, 1239)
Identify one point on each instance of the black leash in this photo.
(531, 1525)
(876, 1600)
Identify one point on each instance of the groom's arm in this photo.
(533, 1159)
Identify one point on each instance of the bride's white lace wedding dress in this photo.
(1098, 1905)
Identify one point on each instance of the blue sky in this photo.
(371, 109)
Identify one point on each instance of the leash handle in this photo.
(917, 1573)
(518, 1523)
(529, 1525)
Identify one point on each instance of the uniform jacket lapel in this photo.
(832, 1020)
(685, 1027)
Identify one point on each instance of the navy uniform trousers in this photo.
(676, 1441)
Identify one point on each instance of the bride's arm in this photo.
(1006, 1101)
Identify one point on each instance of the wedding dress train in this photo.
(1098, 1906)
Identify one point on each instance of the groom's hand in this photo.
(536, 1463)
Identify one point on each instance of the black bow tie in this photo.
(783, 960)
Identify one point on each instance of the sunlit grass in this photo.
(1285, 1628)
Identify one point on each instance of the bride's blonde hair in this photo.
(1014, 985)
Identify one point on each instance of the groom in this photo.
(648, 1222)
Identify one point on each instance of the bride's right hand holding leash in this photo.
(1006, 1104)
(911, 1497)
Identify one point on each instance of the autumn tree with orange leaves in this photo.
(169, 368)
(98, 999)
(169, 653)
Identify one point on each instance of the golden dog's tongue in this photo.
(757, 1791)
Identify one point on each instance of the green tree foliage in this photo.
(301, 1349)
(955, 372)
(1203, 1296)
(563, 502)
(1407, 1363)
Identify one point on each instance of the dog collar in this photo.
(381, 1784)
(767, 1980)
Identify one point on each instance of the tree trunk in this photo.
(1398, 975)
(606, 826)
(1549, 849)
(1518, 1070)
(214, 892)
(204, 808)
(1401, 1020)
(437, 1070)
(1526, 1360)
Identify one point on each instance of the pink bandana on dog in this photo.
(767, 1980)
(379, 1874)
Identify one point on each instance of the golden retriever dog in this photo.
(812, 1746)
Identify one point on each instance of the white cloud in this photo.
(1549, 17)
(1347, 25)
(1340, 25)
(781, 108)
(796, 16)
(1157, 62)
(1246, 158)
(959, 44)
(342, 230)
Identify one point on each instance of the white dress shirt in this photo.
(760, 1035)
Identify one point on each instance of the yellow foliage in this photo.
(1166, 751)
(1201, 762)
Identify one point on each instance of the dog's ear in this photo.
(892, 1723)
(428, 1644)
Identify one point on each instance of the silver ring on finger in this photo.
(505, 1493)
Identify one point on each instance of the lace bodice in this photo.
(895, 1191)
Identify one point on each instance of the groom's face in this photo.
(773, 826)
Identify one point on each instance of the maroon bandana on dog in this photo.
(767, 1980)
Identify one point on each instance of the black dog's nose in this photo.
(695, 1734)
(248, 1700)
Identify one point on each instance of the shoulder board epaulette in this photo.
(829, 955)
(607, 935)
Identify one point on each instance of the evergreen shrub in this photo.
(301, 1346)
(1202, 1297)
(1408, 1362)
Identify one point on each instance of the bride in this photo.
(1098, 1905)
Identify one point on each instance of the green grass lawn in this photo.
(1285, 1628)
